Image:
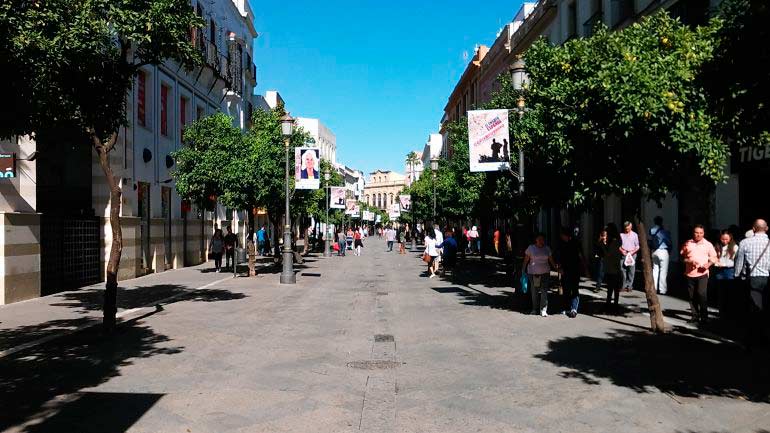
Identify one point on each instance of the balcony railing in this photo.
(211, 56)
(589, 27)
(235, 67)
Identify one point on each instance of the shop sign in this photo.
(750, 157)
(7, 165)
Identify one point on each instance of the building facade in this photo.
(382, 188)
(56, 227)
(323, 136)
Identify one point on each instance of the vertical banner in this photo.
(307, 168)
(405, 200)
(488, 140)
(394, 211)
(350, 206)
(337, 197)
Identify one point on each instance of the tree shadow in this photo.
(673, 363)
(40, 387)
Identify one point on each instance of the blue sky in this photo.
(377, 73)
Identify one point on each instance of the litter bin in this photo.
(241, 255)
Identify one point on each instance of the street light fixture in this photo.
(287, 275)
(327, 176)
(520, 82)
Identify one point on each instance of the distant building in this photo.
(323, 136)
(382, 188)
(354, 181)
(434, 148)
(413, 171)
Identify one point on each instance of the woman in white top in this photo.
(475, 242)
(537, 265)
(727, 249)
(432, 251)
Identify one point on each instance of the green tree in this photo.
(77, 61)
(620, 112)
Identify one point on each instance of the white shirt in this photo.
(724, 256)
(439, 236)
(430, 246)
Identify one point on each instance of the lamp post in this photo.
(520, 80)
(434, 169)
(327, 176)
(287, 275)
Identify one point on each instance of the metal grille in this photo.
(69, 252)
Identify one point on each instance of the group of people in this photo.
(440, 250)
(220, 244)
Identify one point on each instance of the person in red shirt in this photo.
(357, 242)
(699, 255)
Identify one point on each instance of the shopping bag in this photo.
(524, 283)
(629, 260)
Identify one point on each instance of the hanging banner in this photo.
(394, 211)
(378, 218)
(350, 206)
(368, 215)
(405, 200)
(488, 140)
(306, 168)
(7, 165)
(356, 211)
(337, 197)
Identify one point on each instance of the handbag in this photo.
(426, 257)
(524, 280)
(211, 256)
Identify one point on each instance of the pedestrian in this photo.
(473, 239)
(629, 246)
(699, 255)
(432, 251)
(601, 247)
(449, 253)
(341, 242)
(537, 265)
(753, 263)
(261, 235)
(349, 239)
(216, 246)
(508, 246)
(660, 245)
(390, 237)
(358, 242)
(402, 241)
(569, 259)
(496, 241)
(611, 263)
(725, 273)
(231, 243)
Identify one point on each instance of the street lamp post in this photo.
(287, 275)
(327, 176)
(434, 169)
(519, 80)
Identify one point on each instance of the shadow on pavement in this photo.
(40, 387)
(675, 364)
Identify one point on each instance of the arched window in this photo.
(367, 200)
(379, 200)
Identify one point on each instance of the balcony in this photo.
(234, 67)
(211, 56)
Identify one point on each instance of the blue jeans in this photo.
(390, 245)
(599, 273)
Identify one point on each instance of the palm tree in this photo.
(411, 160)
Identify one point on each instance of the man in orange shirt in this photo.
(698, 254)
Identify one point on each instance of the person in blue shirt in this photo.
(261, 234)
(660, 246)
(449, 254)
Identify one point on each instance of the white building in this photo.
(434, 148)
(323, 136)
(354, 180)
(414, 170)
(58, 223)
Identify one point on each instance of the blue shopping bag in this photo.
(524, 283)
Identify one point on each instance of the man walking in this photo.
(390, 237)
(629, 246)
(698, 254)
(341, 242)
(261, 235)
(231, 242)
(753, 262)
(660, 245)
(570, 261)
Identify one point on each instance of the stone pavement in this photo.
(370, 344)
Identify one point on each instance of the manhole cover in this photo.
(382, 293)
(383, 338)
(374, 365)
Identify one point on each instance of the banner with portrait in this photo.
(394, 211)
(356, 211)
(405, 200)
(337, 197)
(488, 140)
(350, 206)
(307, 168)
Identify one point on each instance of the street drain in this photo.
(383, 338)
(374, 365)
(382, 293)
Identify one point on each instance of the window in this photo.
(213, 33)
(621, 10)
(473, 95)
(198, 112)
(183, 102)
(141, 88)
(164, 110)
(572, 20)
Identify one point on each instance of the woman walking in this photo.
(216, 247)
(537, 265)
(611, 264)
(358, 243)
(725, 273)
(432, 252)
(601, 248)
(402, 241)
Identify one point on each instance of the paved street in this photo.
(370, 344)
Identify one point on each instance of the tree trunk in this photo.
(110, 307)
(653, 305)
